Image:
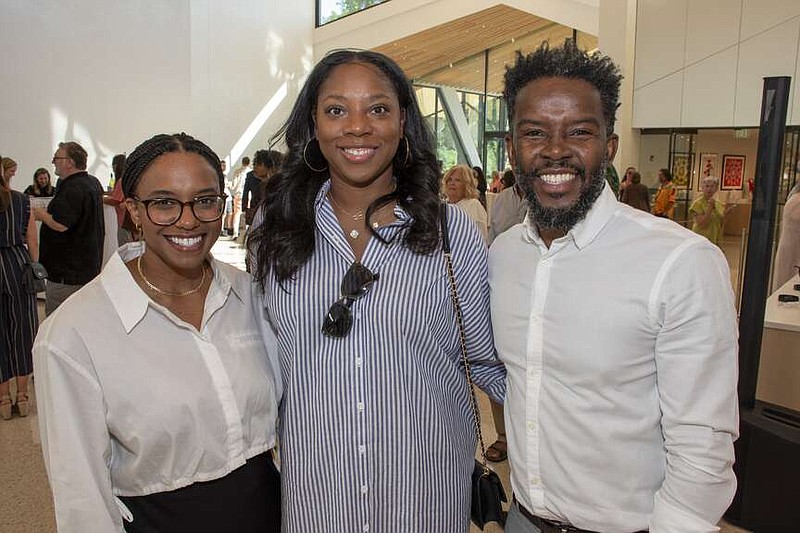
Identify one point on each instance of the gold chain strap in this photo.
(467, 368)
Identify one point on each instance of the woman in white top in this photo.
(157, 399)
(458, 185)
(788, 255)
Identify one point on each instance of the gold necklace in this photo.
(357, 216)
(165, 293)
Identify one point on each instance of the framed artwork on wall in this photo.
(682, 170)
(732, 177)
(709, 166)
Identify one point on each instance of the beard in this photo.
(563, 218)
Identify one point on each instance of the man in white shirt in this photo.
(621, 406)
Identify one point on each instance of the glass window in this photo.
(330, 10)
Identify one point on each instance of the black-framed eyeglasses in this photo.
(57, 157)
(167, 211)
(356, 283)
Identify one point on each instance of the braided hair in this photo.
(567, 61)
(161, 144)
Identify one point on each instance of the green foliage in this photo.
(347, 7)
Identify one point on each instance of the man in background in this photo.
(71, 243)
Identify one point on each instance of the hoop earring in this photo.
(305, 156)
(407, 161)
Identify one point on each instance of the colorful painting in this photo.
(682, 170)
(709, 167)
(732, 177)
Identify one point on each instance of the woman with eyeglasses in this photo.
(376, 427)
(157, 398)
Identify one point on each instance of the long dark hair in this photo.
(285, 240)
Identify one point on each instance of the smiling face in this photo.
(42, 179)
(183, 246)
(358, 124)
(560, 149)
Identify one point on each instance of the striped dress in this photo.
(376, 430)
(18, 315)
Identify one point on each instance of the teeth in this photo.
(358, 151)
(185, 241)
(556, 179)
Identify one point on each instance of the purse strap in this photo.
(448, 260)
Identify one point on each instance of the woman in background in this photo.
(707, 212)
(41, 186)
(18, 314)
(787, 258)
(9, 168)
(458, 185)
(376, 428)
(157, 400)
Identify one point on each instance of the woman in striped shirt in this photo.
(376, 429)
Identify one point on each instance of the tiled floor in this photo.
(25, 502)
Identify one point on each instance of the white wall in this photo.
(617, 39)
(393, 20)
(111, 74)
(701, 63)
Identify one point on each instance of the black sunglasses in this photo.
(356, 283)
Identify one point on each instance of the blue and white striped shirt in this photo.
(376, 428)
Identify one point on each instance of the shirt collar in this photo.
(130, 301)
(584, 232)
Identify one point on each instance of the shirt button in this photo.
(362, 448)
(359, 362)
(363, 489)
(360, 406)
(365, 528)
(534, 481)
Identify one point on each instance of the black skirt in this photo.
(248, 500)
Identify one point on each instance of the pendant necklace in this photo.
(357, 216)
(166, 293)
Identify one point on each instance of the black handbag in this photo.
(33, 276)
(488, 494)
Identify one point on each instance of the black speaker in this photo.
(768, 470)
(768, 450)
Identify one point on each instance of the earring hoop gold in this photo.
(305, 158)
(408, 153)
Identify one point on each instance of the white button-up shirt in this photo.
(620, 344)
(133, 400)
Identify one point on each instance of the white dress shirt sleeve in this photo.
(75, 442)
(696, 361)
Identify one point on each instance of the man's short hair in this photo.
(567, 61)
(75, 152)
(713, 180)
(666, 173)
